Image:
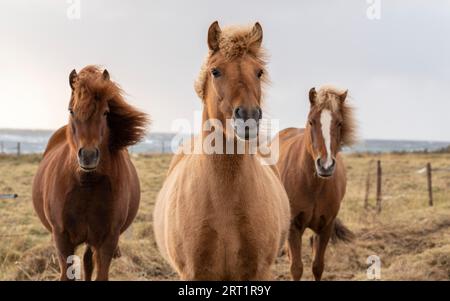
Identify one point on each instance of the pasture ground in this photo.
(411, 238)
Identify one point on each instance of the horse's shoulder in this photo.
(175, 160)
(56, 139)
(184, 150)
(288, 139)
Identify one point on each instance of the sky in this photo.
(392, 55)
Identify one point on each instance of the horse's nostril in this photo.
(319, 163)
(322, 164)
(88, 156)
(238, 113)
(258, 113)
(245, 114)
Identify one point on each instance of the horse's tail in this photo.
(341, 232)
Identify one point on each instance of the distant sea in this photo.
(35, 141)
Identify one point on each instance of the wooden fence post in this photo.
(18, 148)
(366, 196)
(430, 186)
(379, 177)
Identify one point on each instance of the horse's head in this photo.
(329, 127)
(231, 80)
(88, 116)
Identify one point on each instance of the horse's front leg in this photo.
(103, 256)
(64, 248)
(295, 251)
(320, 243)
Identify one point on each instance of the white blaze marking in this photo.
(325, 120)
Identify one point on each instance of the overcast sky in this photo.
(397, 68)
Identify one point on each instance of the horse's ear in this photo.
(312, 96)
(214, 33)
(343, 96)
(105, 74)
(257, 35)
(72, 78)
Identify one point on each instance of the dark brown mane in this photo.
(127, 124)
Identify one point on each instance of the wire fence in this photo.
(25, 148)
(9, 147)
(424, 180)
(378, 181)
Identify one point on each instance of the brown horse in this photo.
(224, 216)
(86, 189)
(313, 174)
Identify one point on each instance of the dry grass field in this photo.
(411, 238)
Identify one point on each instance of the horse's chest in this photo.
(236, 233)
(88, 210)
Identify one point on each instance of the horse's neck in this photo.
(224, 158)
(224, 164)
(305, 163)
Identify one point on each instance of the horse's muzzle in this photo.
(88, 159)
(325, 172)
(246, 122)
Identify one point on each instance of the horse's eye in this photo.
(311, 123)
(215, 72)
(339, 124)
(260, 73)
(106, 113)
(71, 112)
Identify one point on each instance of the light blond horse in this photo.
(224, 216)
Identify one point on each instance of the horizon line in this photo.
(175, 133)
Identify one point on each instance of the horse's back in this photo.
(56, 139)
(290, 141)
(289, 133)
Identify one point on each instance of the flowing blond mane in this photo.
(329, 97)
(235, 41)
